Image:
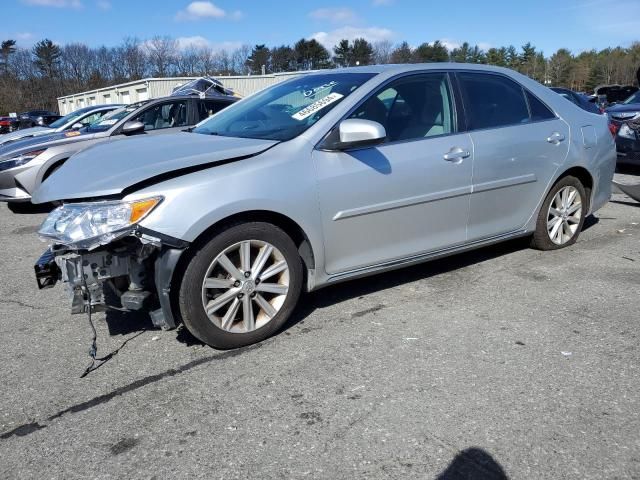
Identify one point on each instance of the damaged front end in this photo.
(107, 261)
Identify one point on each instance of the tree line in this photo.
(35, 77)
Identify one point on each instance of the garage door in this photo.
(143, 94)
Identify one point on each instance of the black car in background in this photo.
(581, 100)
(36, 118)
(625, 117)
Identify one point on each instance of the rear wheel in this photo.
(561, 216)
(242, 286)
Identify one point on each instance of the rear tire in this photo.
(230, 296)
(561, 216)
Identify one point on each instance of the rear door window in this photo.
(165, 115)
(206, 108)
(492, 101)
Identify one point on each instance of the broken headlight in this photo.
(626, 132)
(88, 225)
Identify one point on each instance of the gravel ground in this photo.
(500, 363)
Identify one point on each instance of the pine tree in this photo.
(402, 54)
(47, 57)
(7, 48)
(362, 52)
(342, 53)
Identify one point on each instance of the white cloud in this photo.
(24, 36)
(198, 41)
(453, 44)
(334, 15)
(104, 5)
(206, 10)
(450, 44)
(195, 41)
(54, 3)
(371, 34)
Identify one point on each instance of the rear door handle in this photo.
(456, 154)
(555, 138)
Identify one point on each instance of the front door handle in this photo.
(456, 154)
(555, 138)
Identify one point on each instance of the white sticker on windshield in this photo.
(316, 106)
(108, 122)
(312, 92)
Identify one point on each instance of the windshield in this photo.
(635, 98)
(111, 118)
(72, 117)
(284, 111)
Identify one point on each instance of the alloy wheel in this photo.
(565, 213)
(245, 286)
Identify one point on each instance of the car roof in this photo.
(411, 67)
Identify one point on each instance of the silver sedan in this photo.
(327, 177)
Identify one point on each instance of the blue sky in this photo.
(549, 24)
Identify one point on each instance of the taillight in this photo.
(5, 123)
(613, 128)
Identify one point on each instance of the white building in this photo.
(148, 88)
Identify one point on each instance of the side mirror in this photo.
(132, 126)
(77, 126)
(355, 133)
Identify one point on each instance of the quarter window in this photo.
(166, 115)
(539, 111)
(414, 107)
(492, 101)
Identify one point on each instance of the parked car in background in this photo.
(25, 164)
(81, 118)
(35, 118)
(8, 124)
(628, 143)
(612, 94)
(323, 178)
(583, 101)
(626, 110)
(625, 117)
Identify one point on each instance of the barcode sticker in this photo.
(316, 106)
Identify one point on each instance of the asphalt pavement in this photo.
(501, 363)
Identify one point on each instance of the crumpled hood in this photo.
(109, 168)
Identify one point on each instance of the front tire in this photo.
(561, 216)
(241, 286)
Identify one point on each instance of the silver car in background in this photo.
(25, 164)
(81, 118)
(327, 177)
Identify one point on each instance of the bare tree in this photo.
(77, 64)
(239, 59)
(162, 54)
(382, 52)
(134, 58)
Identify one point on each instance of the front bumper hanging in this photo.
(132, 274)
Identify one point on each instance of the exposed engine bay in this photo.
(130, 274)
